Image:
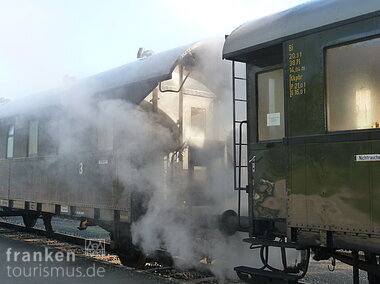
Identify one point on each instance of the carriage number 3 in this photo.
(81, 168)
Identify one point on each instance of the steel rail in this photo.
(54, 235)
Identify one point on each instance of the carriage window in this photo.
(105, 134)
(33, 138)
(47, 137)
(11, 133)
(198, 122)
(353, 87)
(270, 87)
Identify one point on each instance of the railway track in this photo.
(67, 242)
(55, 235)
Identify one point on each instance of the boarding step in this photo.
(254, 275)
(265, 242)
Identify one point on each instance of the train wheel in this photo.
(134, 258)
(162, 257)
(129, 254)
(29, 220)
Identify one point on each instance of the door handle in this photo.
(253, 161)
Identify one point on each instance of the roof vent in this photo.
(142, 53)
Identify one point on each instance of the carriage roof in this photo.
(132, 82)
(306, 17)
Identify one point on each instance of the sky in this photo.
(42, 41)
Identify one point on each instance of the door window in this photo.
(270, 87)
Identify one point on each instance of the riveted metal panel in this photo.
(90, 182)
(35, 178)
(338, 187)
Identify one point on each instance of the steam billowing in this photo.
(180, 217)
(180, 203)
(180, 212)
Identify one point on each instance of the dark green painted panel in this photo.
(270, 182)
(297, 186)
(338, 187)
(306, 110)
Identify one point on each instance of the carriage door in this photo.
(267, 155)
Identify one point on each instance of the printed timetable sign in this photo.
(273, 119)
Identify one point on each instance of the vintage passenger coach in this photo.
(313, 114)
(306, 140)
(91, 149)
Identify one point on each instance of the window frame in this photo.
(203, 111)
(259, 71)
(12, 126)
(326, 106)
(105, 132)
(37, 137)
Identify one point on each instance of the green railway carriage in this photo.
(313, 113)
